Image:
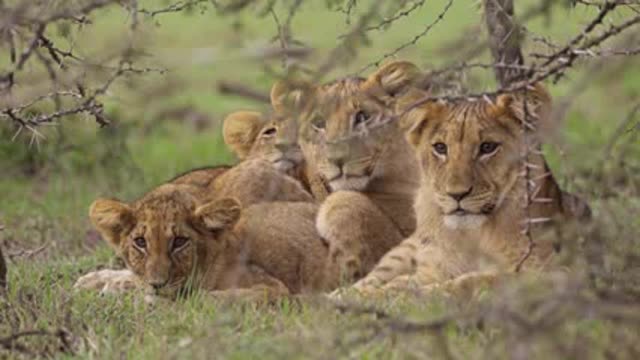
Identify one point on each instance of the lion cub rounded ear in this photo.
(111, 218)
(395, 77)
(289, 95)
(415, 120)
(240, 131)
(537, 101)
(219, 214)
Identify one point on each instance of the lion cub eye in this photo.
(488, 147)
(270, 131)
(440, 148)
(179, 241)
(361, 117)
(318, 124)
(140, 242)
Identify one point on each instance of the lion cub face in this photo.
(165, 236)
(343, 123)
(251, 135)
(470, 152)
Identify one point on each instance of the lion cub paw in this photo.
(344, 292)
(347, 268)
(108, 281)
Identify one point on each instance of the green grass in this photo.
(45, 194)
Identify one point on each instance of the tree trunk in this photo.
(504, 40)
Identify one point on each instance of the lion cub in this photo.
(470, 206)
(172, 240)
(273, 138)
(349, 135)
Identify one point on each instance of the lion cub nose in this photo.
(157, 284)
(458, 196)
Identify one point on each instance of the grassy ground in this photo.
(45, 193)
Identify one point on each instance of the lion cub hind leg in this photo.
(109, 281)
(358, 234)
(253, 284)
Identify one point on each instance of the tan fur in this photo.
(255, 181)
(202, 177)
(213, 245)
(478, 238)
(251, 181)
(369, 166)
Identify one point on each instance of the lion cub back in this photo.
(255, 181)
(280, 237)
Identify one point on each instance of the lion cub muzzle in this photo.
(464, 209)
(343, 170)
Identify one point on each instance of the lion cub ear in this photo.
(532, 104)
(219, 214)
(290, 95)
(111, 218)
(240, 131)
(414, 122)
(395, 77)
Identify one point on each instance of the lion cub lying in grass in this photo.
(470, 206)
(172, 241)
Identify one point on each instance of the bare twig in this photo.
(27, 253)
(12, 342)
(237, 89)
(404, 13)
(3, 267)
(411, 42)
(173, 8)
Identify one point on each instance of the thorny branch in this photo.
(411, 42)
(69, 89)
(12, 342)
(175, 7)
(348, 47)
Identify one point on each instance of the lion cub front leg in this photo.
(109, 281)
(358, 234)
(467, 286)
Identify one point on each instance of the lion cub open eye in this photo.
(318, 124)
(360, 117)
(179, 242)
(440, 148)
(140, 243)
(270, 131)
(488, 148)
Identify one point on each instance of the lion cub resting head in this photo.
(273, 138)
(171, 240)
(348, 132)
(251, 134)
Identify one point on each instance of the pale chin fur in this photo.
(353, 183)
(464, 222)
